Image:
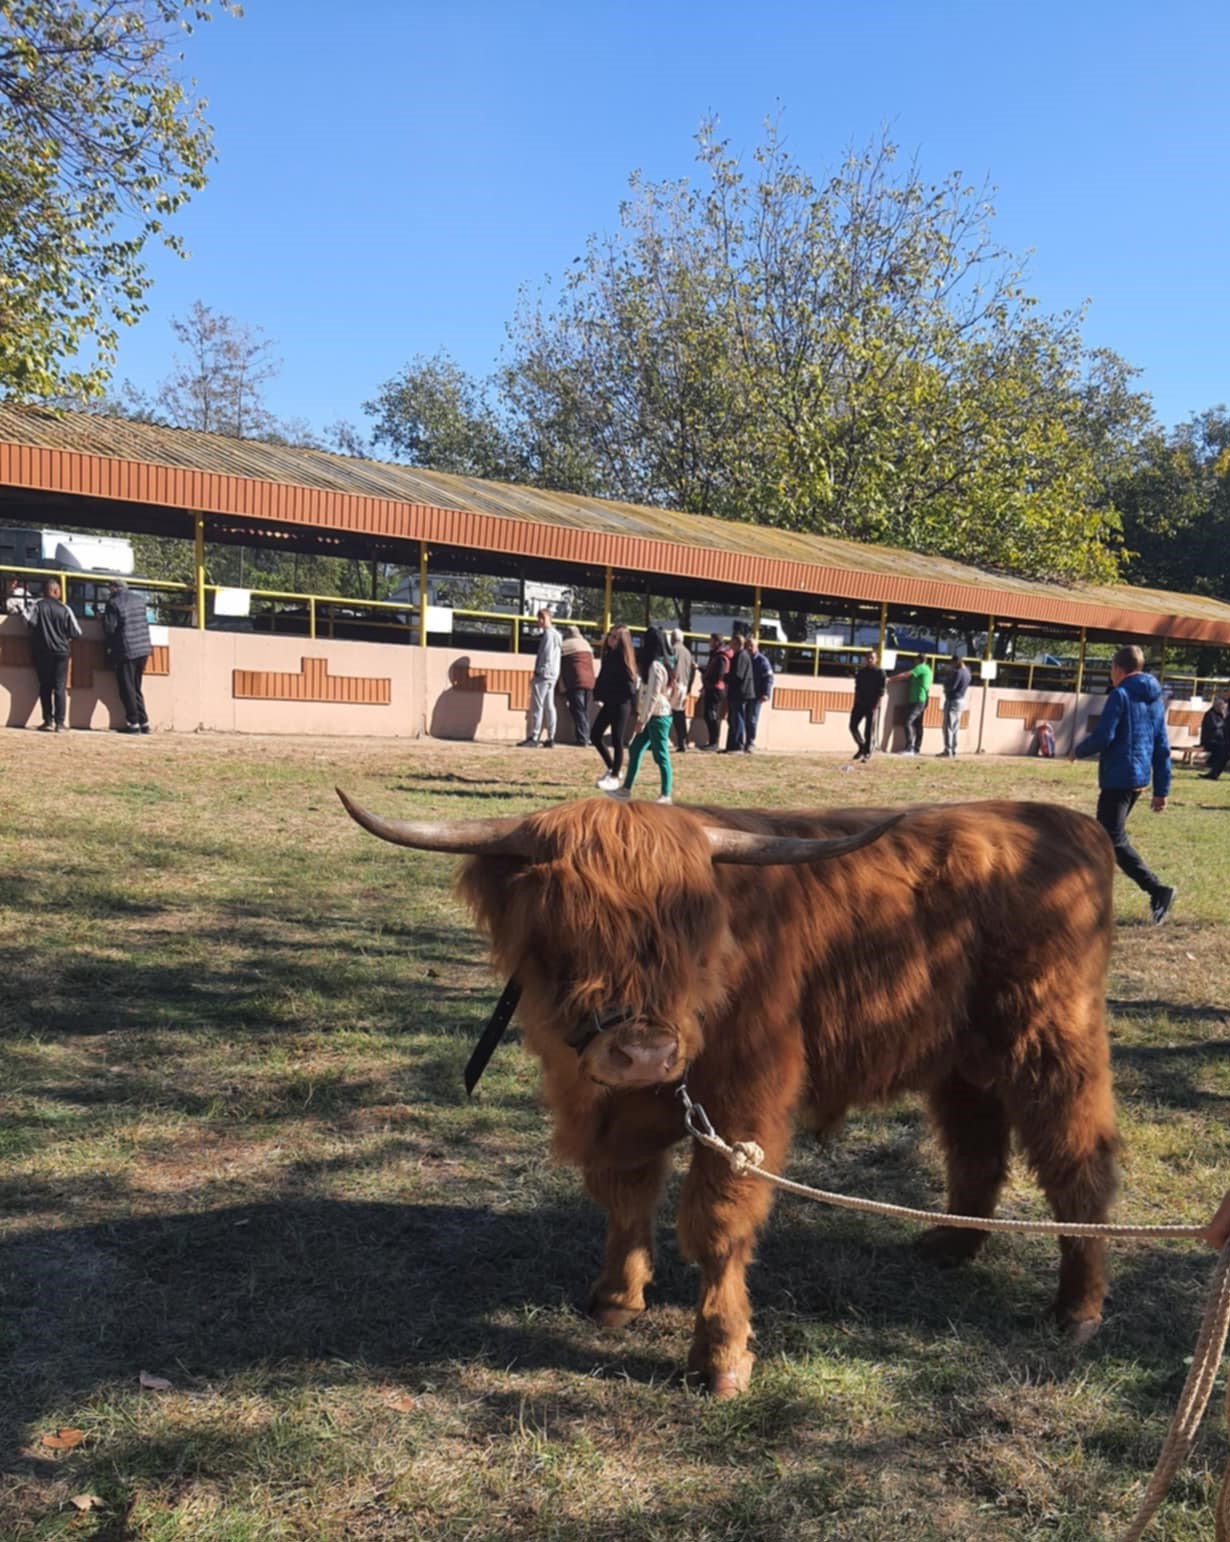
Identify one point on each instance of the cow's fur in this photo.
(961, 956)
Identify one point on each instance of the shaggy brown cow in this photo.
(796, 964)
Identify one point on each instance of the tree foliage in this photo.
(434, 414)
(102, 146)
(855, 356)
(1175, 499)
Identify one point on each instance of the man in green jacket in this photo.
(917, 695)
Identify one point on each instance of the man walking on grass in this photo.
(1131, 743)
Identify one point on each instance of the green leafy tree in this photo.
(103, 145)
(434, 414)
(1176, 507)
(854, 356)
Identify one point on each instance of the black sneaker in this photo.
(527, 744)
(548, 744)
(46, 728)
(1160, 905)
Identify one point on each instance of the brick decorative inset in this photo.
(1188, 718)
(513, 683)
(87, 659)
(90, 657)
(1031, 713)
(818, 703)
(312, 683)
(15, 651)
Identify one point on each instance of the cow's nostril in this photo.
(620, 1058)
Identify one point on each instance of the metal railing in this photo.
(331, 615)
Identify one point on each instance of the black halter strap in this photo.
(491, 1036)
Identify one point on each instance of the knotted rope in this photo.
(746, 1159)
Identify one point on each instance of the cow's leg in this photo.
(719, 1216)
(973, 1125)
(630, 1198)
(1068, 1131)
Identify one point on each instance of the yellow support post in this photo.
(422, 594)
(1080, 664)
(606, 601)
(312, 617)
(756, 613)
(199, 573)
(883, 628)
(988, 651)
(516, 634)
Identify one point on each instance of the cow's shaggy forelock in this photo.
(621, 910)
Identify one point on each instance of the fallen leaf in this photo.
(64, 1440)
(86, 1501)
(154, 1383)
(400, 1402)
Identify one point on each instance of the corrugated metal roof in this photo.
(118, 459)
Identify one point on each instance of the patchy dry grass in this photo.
(234, 1152)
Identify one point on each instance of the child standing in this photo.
(653, 716)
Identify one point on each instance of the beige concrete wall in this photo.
(401, 690)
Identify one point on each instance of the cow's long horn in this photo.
(466, 837)
(771, 850)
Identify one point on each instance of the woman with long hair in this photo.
(615, 690)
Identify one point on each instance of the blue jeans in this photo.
(735, 726)
(751, 716)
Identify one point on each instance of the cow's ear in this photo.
(463, 837)
(756, 850)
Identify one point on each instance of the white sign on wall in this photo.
(232, 602)
(888, 659)
(988, 668)
(440, 618)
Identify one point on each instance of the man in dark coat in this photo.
(870, 683)
(53, 627)
(126, 630)
(740, 690)
(1215, 738)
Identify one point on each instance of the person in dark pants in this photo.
(53, 627)
(576, 673)
(1215, 738)
(762, 678)
(618, 683)
(917, 694)
(740, 690)
(681, 684)
(1131, 743)
(713, 686)
(870, 683)
(126, 630)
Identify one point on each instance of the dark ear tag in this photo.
(492, 1034)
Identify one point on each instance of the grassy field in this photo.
(235, 1154)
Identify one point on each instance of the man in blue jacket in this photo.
(1131, 741)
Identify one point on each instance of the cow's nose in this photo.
(634, 1063)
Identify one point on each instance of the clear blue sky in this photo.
(390, 172)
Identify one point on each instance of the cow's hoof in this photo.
(1079, 1331)
(950, 1246)
(722, 1385)
(613, 1317)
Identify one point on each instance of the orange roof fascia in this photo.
(79, 474)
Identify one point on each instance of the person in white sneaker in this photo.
(653, 716)
(615, 691)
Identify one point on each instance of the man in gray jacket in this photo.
(126, 630)
(542, 687)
